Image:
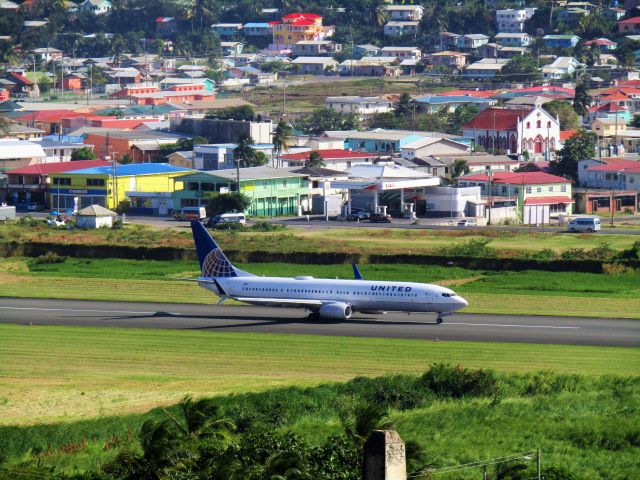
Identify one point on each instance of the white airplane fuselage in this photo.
(360, 295)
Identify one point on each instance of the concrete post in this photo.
(384, 457)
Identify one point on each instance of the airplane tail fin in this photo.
(213, 262)
(356, 272)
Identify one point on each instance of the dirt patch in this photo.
(459, 281)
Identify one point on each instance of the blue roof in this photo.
(133, 169)
(256, 24)
(65, 138)
(452, 99)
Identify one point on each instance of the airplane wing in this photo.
(281, 302)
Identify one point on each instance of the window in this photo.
(62, 181)
(538, 124)
(528, 189)
(563, 188)
(551, 189)
(539, 189)
(95, 182)
(193, 186)
(528, 124)
(208, 187)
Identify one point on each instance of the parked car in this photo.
(191, 213)
(358, 214)
(466, 223)
(379, 218)
(35, 207)
(227, 218)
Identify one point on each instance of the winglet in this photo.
(356, 272)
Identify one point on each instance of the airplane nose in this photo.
(462, 301)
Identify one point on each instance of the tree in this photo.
(326, 118)
(521, 68)
(44, 84)
(403, 106)
(282, 139)
(85, 153)
(565, 112)
(241, 112)
(243, 154)
(579, 147)
(315, 160)
(4, 125)
(581, 100)
(366, 419)
(459, 167)
(221, 203)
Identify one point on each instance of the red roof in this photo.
(308, 16)
(47, 116)
(618, 165)
(498, 118)
(58, 167)
(600, 41)
(329, 154)
(615, 96)
(517, 178)
(546, 200)
(629, 21)
(564, 134)
(302, 21)
(21, 78)
(611, 107)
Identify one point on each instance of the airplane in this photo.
(325, 298)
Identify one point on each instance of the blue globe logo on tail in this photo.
(217, 265)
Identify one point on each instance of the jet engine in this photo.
(335, 311)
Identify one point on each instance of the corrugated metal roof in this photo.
(13, 149)
(133, 169)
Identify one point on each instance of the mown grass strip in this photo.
(67, 373)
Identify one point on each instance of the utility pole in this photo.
(490, 196)
(538, 459)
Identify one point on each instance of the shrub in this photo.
(602, 252)
(616, 269)
(543, 255)
(631, 253)
(267, 227)
(476, 247)
(456, 382)
(229, 226)
(574, 254)
(29, 221)
(550, 383)
(557, 473)
(48, 258)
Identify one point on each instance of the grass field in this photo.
(66, 373)
(529, 292)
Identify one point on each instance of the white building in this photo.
(220, 156)
(515, 130)
(361, 106)
(405, 12)
(97, 7)
(401, 53)
(512, 20)
(560, 67)
(400, 28)
(437, 146)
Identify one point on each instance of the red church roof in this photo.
(308, 16)
(498, 118)
(58, 167)
(517, 178)
(329, 154)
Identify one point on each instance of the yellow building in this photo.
(296, 27)
(609, 127)
(148, 186)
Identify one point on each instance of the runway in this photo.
(233, 318)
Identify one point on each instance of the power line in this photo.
(476, 464)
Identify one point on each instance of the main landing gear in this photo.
(440, 317)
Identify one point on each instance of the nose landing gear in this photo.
(441, 316)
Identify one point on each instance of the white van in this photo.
(584, 224)
(228, 218)
(191, 213)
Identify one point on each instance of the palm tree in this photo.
(315, 160)
(201, 418)
(367, 419)
(282, 139)
(379, 14)
(243, 153)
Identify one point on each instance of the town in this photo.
(490, 147)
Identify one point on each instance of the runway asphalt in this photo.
(233, 318)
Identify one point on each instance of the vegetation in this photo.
(85, 153)
(220, 203)
(315, 160)
(564, 111)
(578, 147)
(326, 118)
(441, 413)
(243, 112)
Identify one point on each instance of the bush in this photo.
(29, 221)
(631, 253)
(457, 382)
(549, 383)
(48, 259)
(602, 252)
(574, 254)
(267, 227)
(557, 473)
(477, 247)
(616, 269)
(543, 255)
(229, 226)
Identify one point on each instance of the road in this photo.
(223, 318)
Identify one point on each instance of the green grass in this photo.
(68, 373)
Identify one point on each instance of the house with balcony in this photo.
(512, 20)
(561, 41)
(485, 68)
(401, 53)
(513, 39)
(315, 65)
(405, 12)
(398, 28)
(257, 29)
(298, 27)
(561, 67)
(453, 60)
(367, 50)
(472, 41)
(227, 29)
(316, 48)
(96, 7)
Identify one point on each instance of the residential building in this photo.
(380, 140)
(32, 185)
(227, 29)
(572, 16)
(515, 130)
(360, 51)
(97, 7)
(405, 12)
(454, 60)
(257, 29)
(512, 20)
(361, 106)
(312, 48)
(432, 146)
(148, 186)
(255, 76)
(273, 191)
(220, 156)
(19, 153)
(561, 67)
(315, 65)
(297, 27)
(401, 28)
(629, 25)
(222, 130)
(449, 103)
(471, 41)
(137, 146)
(19, 84)
(335, 159)
(401, 53)
(47, 53)
(513, 39)
(371, 67)
(231, 49)
(610, 174)
(493, 50)
(614, 13)
(59, 151)
(604, 44)
(561, 41)
(485, 68)
(540, 196)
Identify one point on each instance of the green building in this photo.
(273, 191)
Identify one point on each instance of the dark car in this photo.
(358, 214)
(379, 218)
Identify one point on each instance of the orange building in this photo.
(296, 27)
